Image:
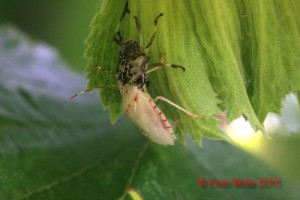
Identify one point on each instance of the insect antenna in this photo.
(155, 31)
(117, 36)
(138, 25)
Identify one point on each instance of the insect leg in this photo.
(139, 27)
(90, 89)
(117, 36)
(178, 107)
(155, 31)
(160, 65)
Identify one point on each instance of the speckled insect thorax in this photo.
(133, 64)
(133, 59)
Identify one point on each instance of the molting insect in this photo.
(132, 78)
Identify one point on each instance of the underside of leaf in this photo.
(241, 58)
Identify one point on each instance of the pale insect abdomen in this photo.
(143, 111)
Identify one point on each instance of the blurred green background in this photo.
(63, 24)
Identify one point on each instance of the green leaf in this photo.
(54, 148)
(240, 57)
